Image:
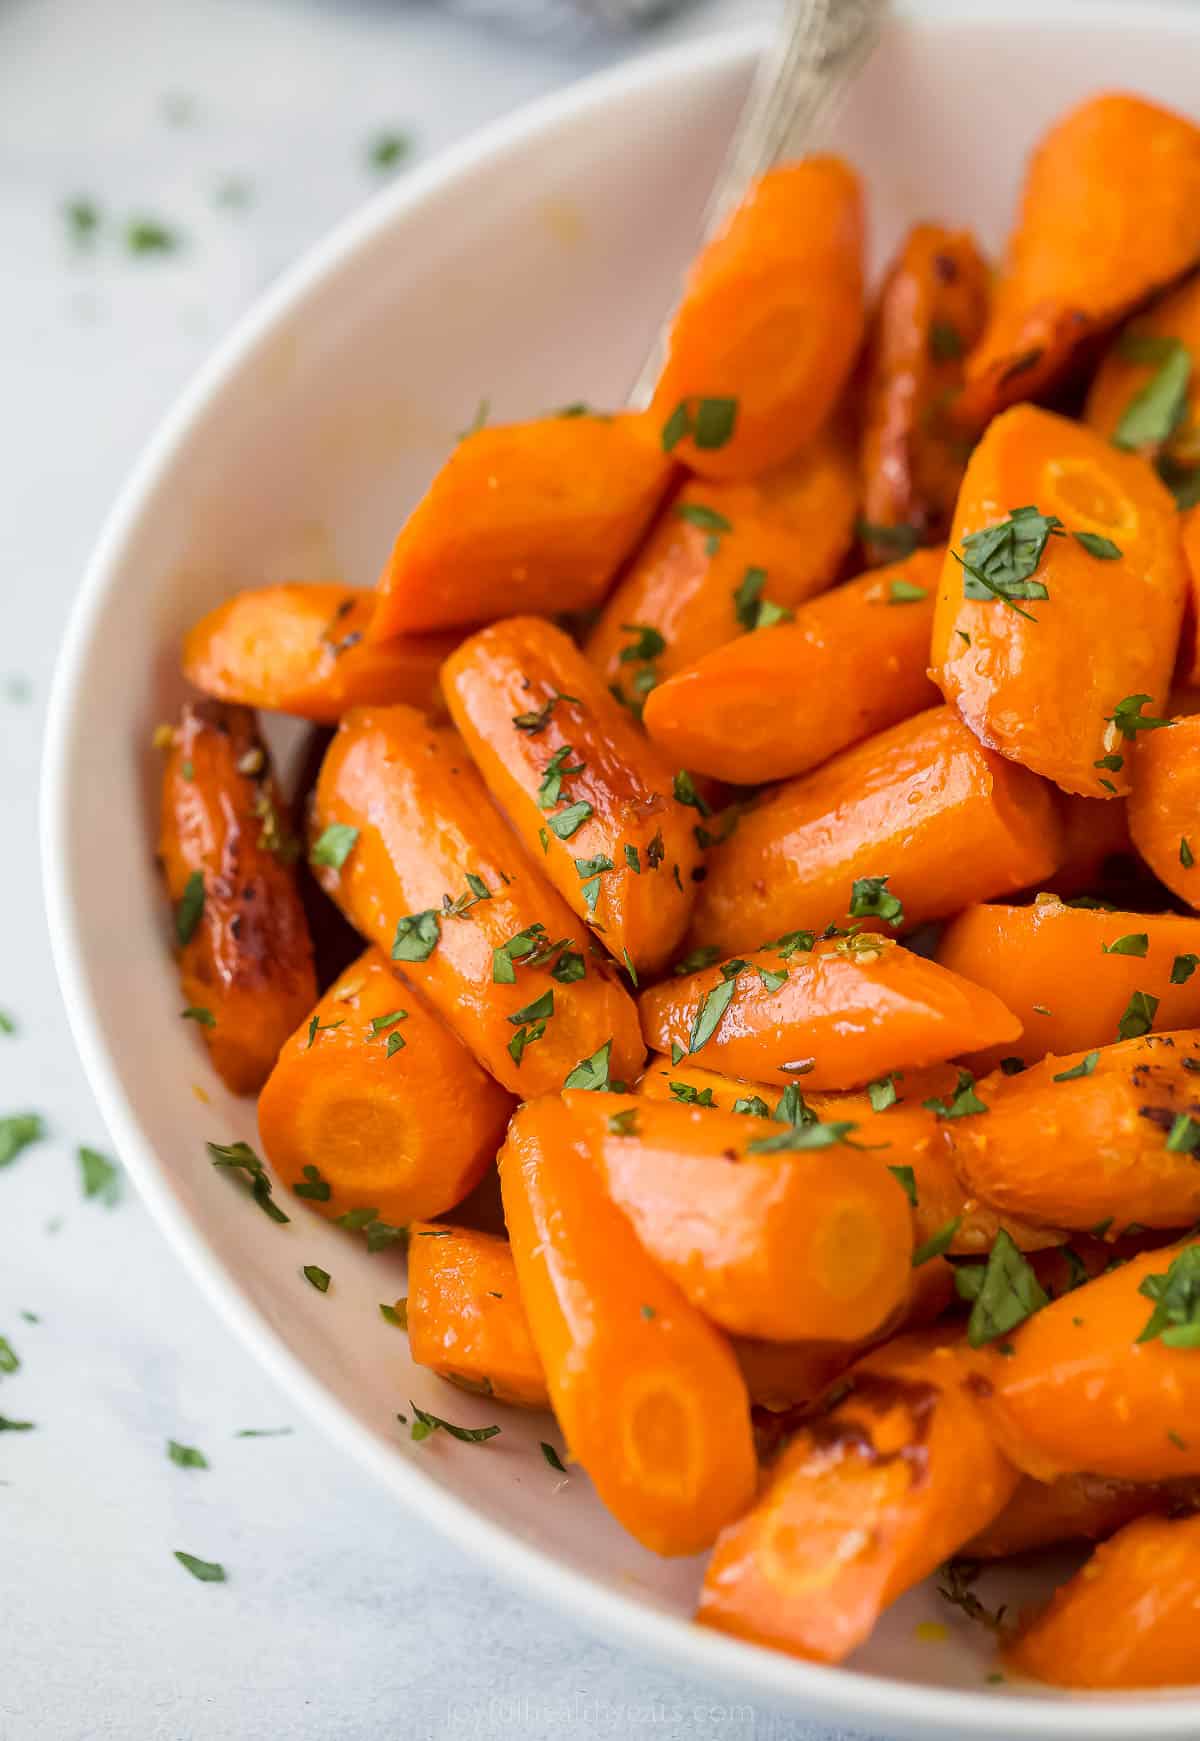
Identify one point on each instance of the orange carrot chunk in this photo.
(228, 856)
(465, 1317)
(374, 1104)
(931, 309)
(523, 517)
(770, 324)
(1164, 806)
(1068, 276)
(759, 708)
(1096, 844)
(591, 799)
(1189, 527)
(1061, 599)
(406, 841)
(305, 650)
(865, 1501)
(1143, 396)
(723, 558)
(646, 1391)
(1128, 1619)
(1041, 1514)
(924, 803)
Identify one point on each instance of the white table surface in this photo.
(343, 1616)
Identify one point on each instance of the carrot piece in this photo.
(947, 820)
(305, 650)
(465, 1317)
(769, 326)
(1128, 1619)
(227, 852)
(1155, 348)
(1044, 673)
(524, 517)
(1042, 1514)
(1095, 843)
(374, 1104)
(1087, 1138)
(774, 1244)
(1068, 973)
(1066, 276)
(1189, 528)
(931, 310)
(590, 798)
(760, 708)
(897, 1473)
(1165, 804)
(693, 1085)
(836, 1015)
(432, 873)
(720, 558)
(1088, 1384)
(646, 1391)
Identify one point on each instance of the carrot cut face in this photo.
(759, 708)
(374, 1104)
(523, 517)
(306, 650)
(228, 856)
(769, 326)
(646, 1391)
(722, 558)
(1070, 274)
(924, 803)
(863, 1503)
(1128, 1619)
(1164, 806)
(465, 1317)
(931, 309)
(1061, 599)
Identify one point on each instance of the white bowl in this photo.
(530, 266)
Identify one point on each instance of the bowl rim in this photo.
(748, 1669)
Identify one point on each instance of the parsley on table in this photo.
(709, 422)
(11, 1426)
(334, 845)
(205, 1571)
(387, 150)
(379, 1234)
(396, 1315)
(7, 1023)
(9, 1360)
(417, 936)
(19, 1131)
(100, 1177)
(482, 412)
(186, 1456)
(151, 236)
(83, 220)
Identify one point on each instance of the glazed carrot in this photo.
(931, 309)
(407, 843)
(465, 1317)
(524, 517)
(1164, 806)
(769, 326)
(1061, 599)
(646, 1391)
(1096, 844)
(303, 650)
(1144, 394)
(1105, 1380)
(760, 707)
(723, 557)
(924, 803)
(1068, 973)
(834, 1014)
(591, 799)
(1189, 528)
(766, 1241)
(865, 1501)
(374, 1104)
(1110, 211)
(228, 856)
(1128, 1619)
(1041, 1514)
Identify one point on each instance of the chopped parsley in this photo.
(592, 1073)
(707, 519)
(388, 149)
(381, 1024)
(1084, 1067)
(312, 1186)
(882, 1093)
(1183, 967)
(19, 1131)
(646, 645)
(709, 422)
(945, 341)
(558, 769)
(905, 592)
(896, 541)
(702, 956)
(751, 609)
(1134, 943)
(186, 1456)
(151, 236)
(1186, 857)
(191, 905)
(1184, 1135)
(100, 1177)
(691, 1095)
(379, 1234)
(569, 821)
(1176, 1296)
(870, 898)
(1139, 1016)
(417, 936)
(624, 1123)
(570, 967)
(241, 1158)
(552, 1457)
(753, 1105)
(475, 891)
(962, 1103)
(320, 1278)
(999, 561)
(937, 1243)
(424, 1424)
(684, 788)
(197, 1013)
(536, 721)
(907, 1181)
(205, 1571)
(317, 1026)
(334, 845)
(1005, 1291)
(396, 1315)
(1128, 718)
(83, 220)
(710, 1010)
(541, 1009)
(1095, 545)
(813, 1135)
(9, 1361)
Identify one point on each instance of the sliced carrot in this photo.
(931, 309)
(1068, 973)
(590, 798)
(866, 1500)
(770, 324)
(228, 857)
(720, 558)
(760, 708)
(1110, 212)
(1189, 527)
(305, 650)
(1164, 806)
(1096, 844)
(1128, 1619)
(1041, 1514)
(465, 1317)
(407, 843)
(375, 1104)
(646, 1391)
(524, 517)
(923, 803)
(1086, 541)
